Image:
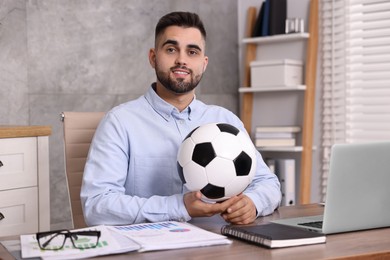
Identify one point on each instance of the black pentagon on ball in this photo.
(203, 154)
(243, 164)
(226, 128)
(181, 173)
(213, 192)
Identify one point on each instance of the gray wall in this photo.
(92, 55)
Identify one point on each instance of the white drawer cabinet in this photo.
(24, 179)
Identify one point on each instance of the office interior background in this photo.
(93, 55)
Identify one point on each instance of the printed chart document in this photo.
(169, 235)
(109, 243)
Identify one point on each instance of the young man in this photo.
(131, 174)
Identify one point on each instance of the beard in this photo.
(178, 86)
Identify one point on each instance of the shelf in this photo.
(272, 89)
(277, 38)
(281, 149)
(251, 47)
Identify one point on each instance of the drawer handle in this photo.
(1, 216)
(1, 163)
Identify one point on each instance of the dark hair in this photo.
(182, 19)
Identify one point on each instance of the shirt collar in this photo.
(166, 110)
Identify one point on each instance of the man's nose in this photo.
(181, 58)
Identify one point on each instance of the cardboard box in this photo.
(276, 73)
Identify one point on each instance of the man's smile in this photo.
(181, 72)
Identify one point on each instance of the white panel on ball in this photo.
(220, 172)
(205, 133)
(227, 146)
(237, 186)
(185, 151)
(246, 144)
(195, 176)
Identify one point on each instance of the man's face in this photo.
(179, 58)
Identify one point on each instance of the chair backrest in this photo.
(79, 128)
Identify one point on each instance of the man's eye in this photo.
(192, 52)
(171, 50)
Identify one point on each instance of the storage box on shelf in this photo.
(284, 72)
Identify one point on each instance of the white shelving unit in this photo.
(281, 105)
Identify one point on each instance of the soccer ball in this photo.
(218, 160)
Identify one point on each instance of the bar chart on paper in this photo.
(149, 226)
(169, 235)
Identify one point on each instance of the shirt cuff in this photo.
(176, 208)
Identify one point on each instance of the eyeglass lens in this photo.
(80, 240)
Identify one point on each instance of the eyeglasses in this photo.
(55, 240)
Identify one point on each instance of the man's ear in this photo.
(206, 61)
(152, 57)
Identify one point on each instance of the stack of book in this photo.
(278, 136)
(271, 18)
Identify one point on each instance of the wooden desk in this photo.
(369, 244)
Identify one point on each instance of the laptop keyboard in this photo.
(315, 224)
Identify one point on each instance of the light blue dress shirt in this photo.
(131, 173)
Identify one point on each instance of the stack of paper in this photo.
(138, 237)
(109, 243)
(169, 235)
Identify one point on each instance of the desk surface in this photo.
(370, 244)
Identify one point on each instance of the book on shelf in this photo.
(274, 129)
(273, 235)
(268, 142)
(258, 25)
(271, 18)
(275, 135)
(277, 16)
(285, 170)
(265, 21)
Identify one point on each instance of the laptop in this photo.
(358, 191)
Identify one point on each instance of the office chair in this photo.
(79, 128)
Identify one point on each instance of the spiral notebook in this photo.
(273, 235)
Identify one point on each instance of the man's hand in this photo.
(198, 208)
(242, 211)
